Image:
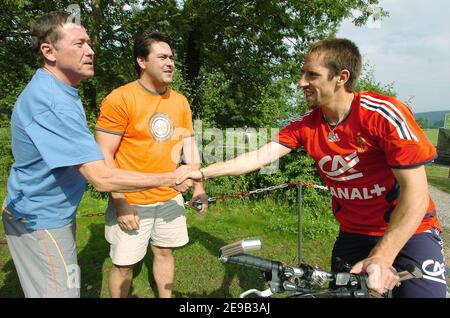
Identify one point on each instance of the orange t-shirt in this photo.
(152, 128)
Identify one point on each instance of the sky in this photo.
(411, 49)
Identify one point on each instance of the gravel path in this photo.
(442, 201)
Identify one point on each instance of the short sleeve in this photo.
(290, 135)
(113, 117)
(188, 118)
(402, 140)
(63, 139)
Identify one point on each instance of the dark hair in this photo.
(46, 30)
(338, 55)
(142, 45)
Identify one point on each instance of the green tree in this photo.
(423, 122)
(103, 19)
(256, 45)
(367, 82)
(237, 60)
(438, 124)
(16, 68)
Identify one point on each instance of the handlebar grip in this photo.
(262, 264)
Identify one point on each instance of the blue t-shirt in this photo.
(49, 137)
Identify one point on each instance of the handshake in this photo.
(185, 178)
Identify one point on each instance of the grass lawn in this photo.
(198, 270)
(199, 273)
(438, 176)
(432, 135)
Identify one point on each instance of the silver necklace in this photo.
(332, 136)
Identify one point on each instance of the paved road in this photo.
(442, 201)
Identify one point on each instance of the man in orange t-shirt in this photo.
(144, 126)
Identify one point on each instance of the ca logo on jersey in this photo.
(341, 168)
(161, 127)
(434, 270)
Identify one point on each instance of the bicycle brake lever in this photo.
(410, 272)
(374, 294)
(264, 293)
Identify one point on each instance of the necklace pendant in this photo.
(333, 137)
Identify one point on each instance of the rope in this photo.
(240, 194)
(257, 191)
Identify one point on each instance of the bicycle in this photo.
(303, 281)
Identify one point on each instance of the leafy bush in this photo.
(6, 158)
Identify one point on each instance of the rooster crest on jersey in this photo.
(161, 127)
(361, 142)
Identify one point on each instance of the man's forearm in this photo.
(405, 219)
(247, 162)
(106, 179)
(235, 167)
(193, 162)
(118, 197)
(130, 181)
(242, 164)
(407, 215)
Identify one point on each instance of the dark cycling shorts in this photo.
(424, 250)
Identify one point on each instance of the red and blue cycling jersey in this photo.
(355, 159)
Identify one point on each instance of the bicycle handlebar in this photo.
(262, 264)
(304, 280)
(284, 278)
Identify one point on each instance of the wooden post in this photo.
(300, 201)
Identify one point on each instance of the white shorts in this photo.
(161, 223)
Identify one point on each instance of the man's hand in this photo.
(186, 184)
(194, 175)
(127, 217)
(382, 276)
(203, 198)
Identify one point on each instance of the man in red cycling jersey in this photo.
(370, 153)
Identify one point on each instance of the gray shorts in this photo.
(162, 224)
(45, 260)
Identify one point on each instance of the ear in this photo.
(343, 77)
(48, 51)
(140, 60)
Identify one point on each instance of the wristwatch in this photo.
(202, 173)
